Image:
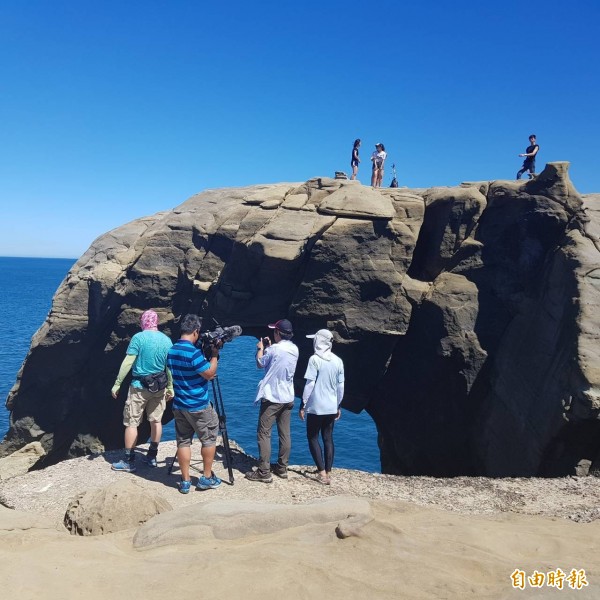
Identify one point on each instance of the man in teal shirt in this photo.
(147, 354)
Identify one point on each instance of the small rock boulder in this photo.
(19, 462)
(121, 505)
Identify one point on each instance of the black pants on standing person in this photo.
(322, 424)
(527, 166)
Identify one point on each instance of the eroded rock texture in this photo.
(466, 316)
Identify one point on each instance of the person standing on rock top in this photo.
(276, 398)
(150, 388)
(378, 158)
(191, 407)
(530, 154)
(321, 400)
(355, 160)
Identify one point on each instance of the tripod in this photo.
(220, 410)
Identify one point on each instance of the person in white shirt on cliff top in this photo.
(276, 398)
(378, 158)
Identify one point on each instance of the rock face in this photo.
(116, 507)
(466, 316)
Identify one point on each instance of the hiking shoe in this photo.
(259, 476)
(123, 465)
(151, 460)
(184, 486)
(280, 471)
(208, 483)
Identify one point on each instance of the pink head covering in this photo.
(149, 320)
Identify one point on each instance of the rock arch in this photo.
(462, 314)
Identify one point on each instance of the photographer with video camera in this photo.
(276, 398)
(191, 371)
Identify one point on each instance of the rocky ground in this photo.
(427, 538)
(48, 491)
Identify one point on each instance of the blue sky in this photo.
(117, 109)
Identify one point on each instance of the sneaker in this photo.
(208, 483)
(123, 465)
(184, 486)
(280, 471)
(151, 460)
(259, 476)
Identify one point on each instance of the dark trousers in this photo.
(527, 166)
(322, 424)
(271, 413)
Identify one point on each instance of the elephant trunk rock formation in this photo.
(466, 316)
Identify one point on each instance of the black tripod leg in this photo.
(220, 408)
(229, 457)
(172, 464)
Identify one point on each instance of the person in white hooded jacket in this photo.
(323, 394)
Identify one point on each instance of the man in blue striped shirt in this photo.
(193, 412)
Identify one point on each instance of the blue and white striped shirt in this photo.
(186, 363)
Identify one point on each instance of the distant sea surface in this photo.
(26, 289)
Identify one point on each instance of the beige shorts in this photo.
(140, 400)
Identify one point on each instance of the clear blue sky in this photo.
(111, 110)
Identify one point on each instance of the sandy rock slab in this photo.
(238, 519)
(121, 505)
(17, 520)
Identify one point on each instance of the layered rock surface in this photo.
(466, 316)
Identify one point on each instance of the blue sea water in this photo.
(26, 289)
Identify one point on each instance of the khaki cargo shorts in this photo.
(140, 400)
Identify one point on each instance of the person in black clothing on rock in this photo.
(355, 160)
(530, 154)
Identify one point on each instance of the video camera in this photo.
(216, 338)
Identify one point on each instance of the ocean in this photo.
(27, 286)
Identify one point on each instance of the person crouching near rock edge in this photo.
(191, 407)
(276, 398)
(150, 388)
(321, 400)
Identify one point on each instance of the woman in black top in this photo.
(355, 160)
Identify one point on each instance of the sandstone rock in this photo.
(118, 506)
(450, 218)
(354, 200)
(230, 519)
(21, 461)
(16, 520)
(472, 309)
